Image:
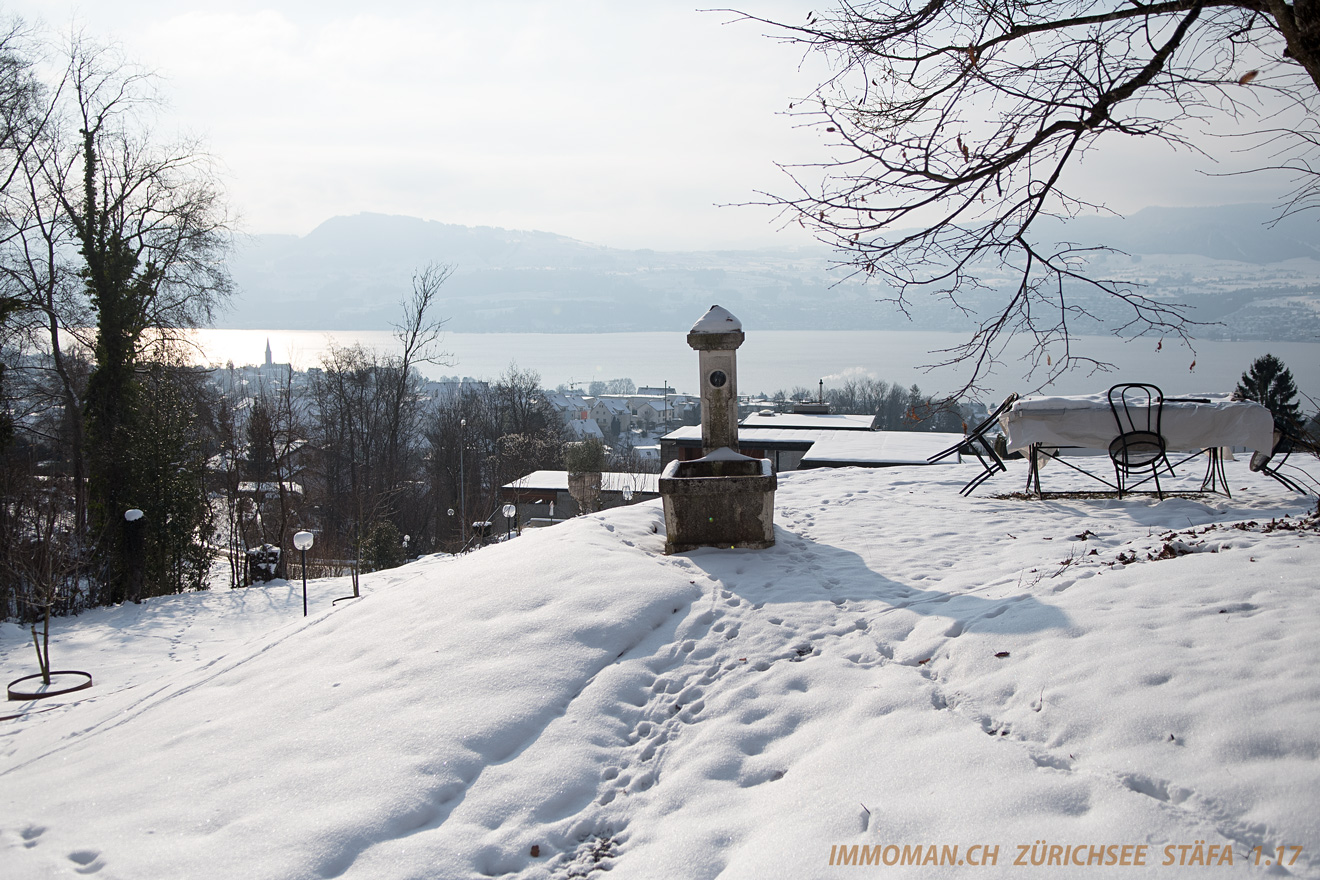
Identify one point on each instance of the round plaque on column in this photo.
(717, 379)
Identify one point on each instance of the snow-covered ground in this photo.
(905, 673)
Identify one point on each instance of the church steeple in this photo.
(268, 362)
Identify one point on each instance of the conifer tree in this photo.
(1270, 383)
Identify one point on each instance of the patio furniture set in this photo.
(1136, 428)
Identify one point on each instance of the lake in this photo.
(781, 359)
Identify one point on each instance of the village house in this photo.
(571, 407)
(542, 497)
(583, 429)
(612, 415)
(657, 414)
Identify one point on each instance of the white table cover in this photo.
(1086, 420)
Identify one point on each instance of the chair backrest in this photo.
(994, 416)
(1284, 442)
(1136, 407)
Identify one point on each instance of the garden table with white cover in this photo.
(1196, 424)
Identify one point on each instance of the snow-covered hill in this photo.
(907, 676)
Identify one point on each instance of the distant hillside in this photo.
(1249, 233)
(351, 272)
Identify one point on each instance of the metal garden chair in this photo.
(1268, 463)
(977, 443)
(1139, 446)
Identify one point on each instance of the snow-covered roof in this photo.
(837, 422)
(584, 428)
(568, 401)
(752, 437)
(872, 448)
(613, 404)
(717, 320)
(557, 481)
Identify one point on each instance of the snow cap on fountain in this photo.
(717, 320)
(718, 329)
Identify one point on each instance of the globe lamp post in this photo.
(509, 511)
(135, 549)
(303, 542)
(462, 484)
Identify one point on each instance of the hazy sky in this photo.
(624, 124)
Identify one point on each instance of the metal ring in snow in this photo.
(39, 695)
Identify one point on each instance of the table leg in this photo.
(1214, 472)
(1033, 468)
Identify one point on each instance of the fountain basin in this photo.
(722, 500)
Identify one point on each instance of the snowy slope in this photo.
(904, 668)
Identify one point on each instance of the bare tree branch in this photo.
(957, 126)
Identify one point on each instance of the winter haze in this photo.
(626, 125)
(1248, 279)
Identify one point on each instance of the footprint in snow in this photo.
(87, 860)
(1152, 787)
(1047, 761)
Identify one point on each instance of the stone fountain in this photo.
(724, 498)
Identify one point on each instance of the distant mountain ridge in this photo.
(1249, 233)
(350, 273)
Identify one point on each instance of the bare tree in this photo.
(275, 435)
(111, 241)
(957, 121)
(484, 437)
(348, 426)
(227, 473)
(151, 229)
(419, 337)
(39, 557)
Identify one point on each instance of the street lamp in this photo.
(135, 550)
(303, 541)
(462, 481)
(509, 511)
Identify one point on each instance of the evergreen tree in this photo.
(116, 291)
(1270, 383)
(384, 547)
(166, 465)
